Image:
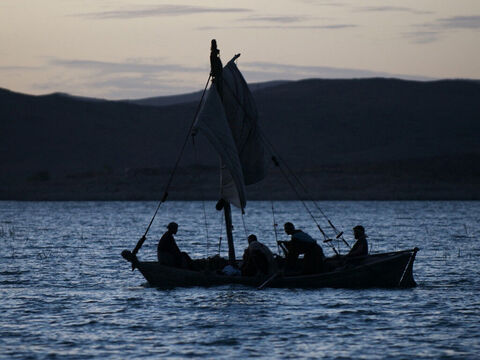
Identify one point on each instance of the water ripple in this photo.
(66, 293)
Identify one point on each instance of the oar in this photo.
(268, 281)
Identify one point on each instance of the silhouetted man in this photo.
(257, 259)
(168, 252)
(360, 248)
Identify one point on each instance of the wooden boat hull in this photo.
(385, 270)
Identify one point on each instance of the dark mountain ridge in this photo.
(347, 139)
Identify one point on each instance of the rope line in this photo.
(302, 185)
(201, 194)
(275, 228)
(221, 233)
(299, 196)
(273, 151)
(169, 182)
(244, 226)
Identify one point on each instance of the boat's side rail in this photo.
(415, 249)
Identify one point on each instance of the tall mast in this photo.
(228, 223)
(217, 78)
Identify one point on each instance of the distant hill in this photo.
(168, 100)
(193, 97)
(346, 139)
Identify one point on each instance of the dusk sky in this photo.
(133, 49)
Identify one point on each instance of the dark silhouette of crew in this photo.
(216, 67)
(168, 252)
(257, 259)
(302, 243)
(360, 248)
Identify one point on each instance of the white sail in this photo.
(242, 116)
(212, 122)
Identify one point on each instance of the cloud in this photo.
(262, 71)
(20, 68)
(161, 10)
(392, 9)
(121, 86)
(276, 19)
(284, 22)
(435, 30)
(140, 86)
(125, 67)
(283, 27)
(118, 86)
(423, 37)
(326, 3)
(459, 22)
(140, 78)
(132, 78)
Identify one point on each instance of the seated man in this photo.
(257, 259)
(168, 252)
(360, 248)
(302, 243)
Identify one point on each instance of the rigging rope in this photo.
(244, 226)
(221, 233)
(339, 234)
(202, 194)
(275, 228)
(165, 194)
(275, 161)
(206, 224)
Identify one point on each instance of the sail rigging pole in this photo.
(224, 205)
(229, 226)
(216, 69)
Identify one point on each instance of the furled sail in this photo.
(242, 116)
(212, 122)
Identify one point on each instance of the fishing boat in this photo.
(228, 118)
(384, 270)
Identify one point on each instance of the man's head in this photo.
(358, 231)
(172, 227)
(252, 238)
(289, 228)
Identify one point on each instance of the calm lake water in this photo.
(67, 294)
